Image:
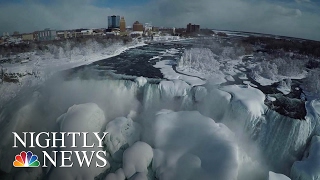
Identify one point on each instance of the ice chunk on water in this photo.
(285, 86)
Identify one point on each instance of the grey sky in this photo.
(298, 18)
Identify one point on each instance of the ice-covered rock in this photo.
(270, 98)
(191, 146)
(247, 102)
(171, 89)
(200, 93)
(121, 131)
(243, 76)
(136, 159)
(285, 86)
(274, 176)
(141, 81)
(215, 104)
(249, 84)
(139, 176)
(313, 114)
(309, 167)
(281, 139)
(80, 118)
(118, 175)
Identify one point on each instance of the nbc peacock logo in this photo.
(26, 160)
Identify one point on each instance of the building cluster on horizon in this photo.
(193, 28)
(117, 26)
(43, 35)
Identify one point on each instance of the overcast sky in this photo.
(297, 18)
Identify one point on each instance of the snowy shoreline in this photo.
(42, 67)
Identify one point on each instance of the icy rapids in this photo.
(167, 130)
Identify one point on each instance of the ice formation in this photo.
(141, 81)
(122, 131)
(136, 159)
(80, 118)
(274, 176)
(309, 167)
(188, 146)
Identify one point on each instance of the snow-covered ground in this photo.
(39, 67)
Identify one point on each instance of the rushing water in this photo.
(136, 62)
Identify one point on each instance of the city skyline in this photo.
(296, 18)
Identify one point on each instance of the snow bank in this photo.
(309, 167)
(42, 66)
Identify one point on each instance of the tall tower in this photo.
(122, 25)
(113, 22)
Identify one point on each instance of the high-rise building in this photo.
(122, 25)
(113, 22)
(47, 35)
(191, 28)
(137, 26)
